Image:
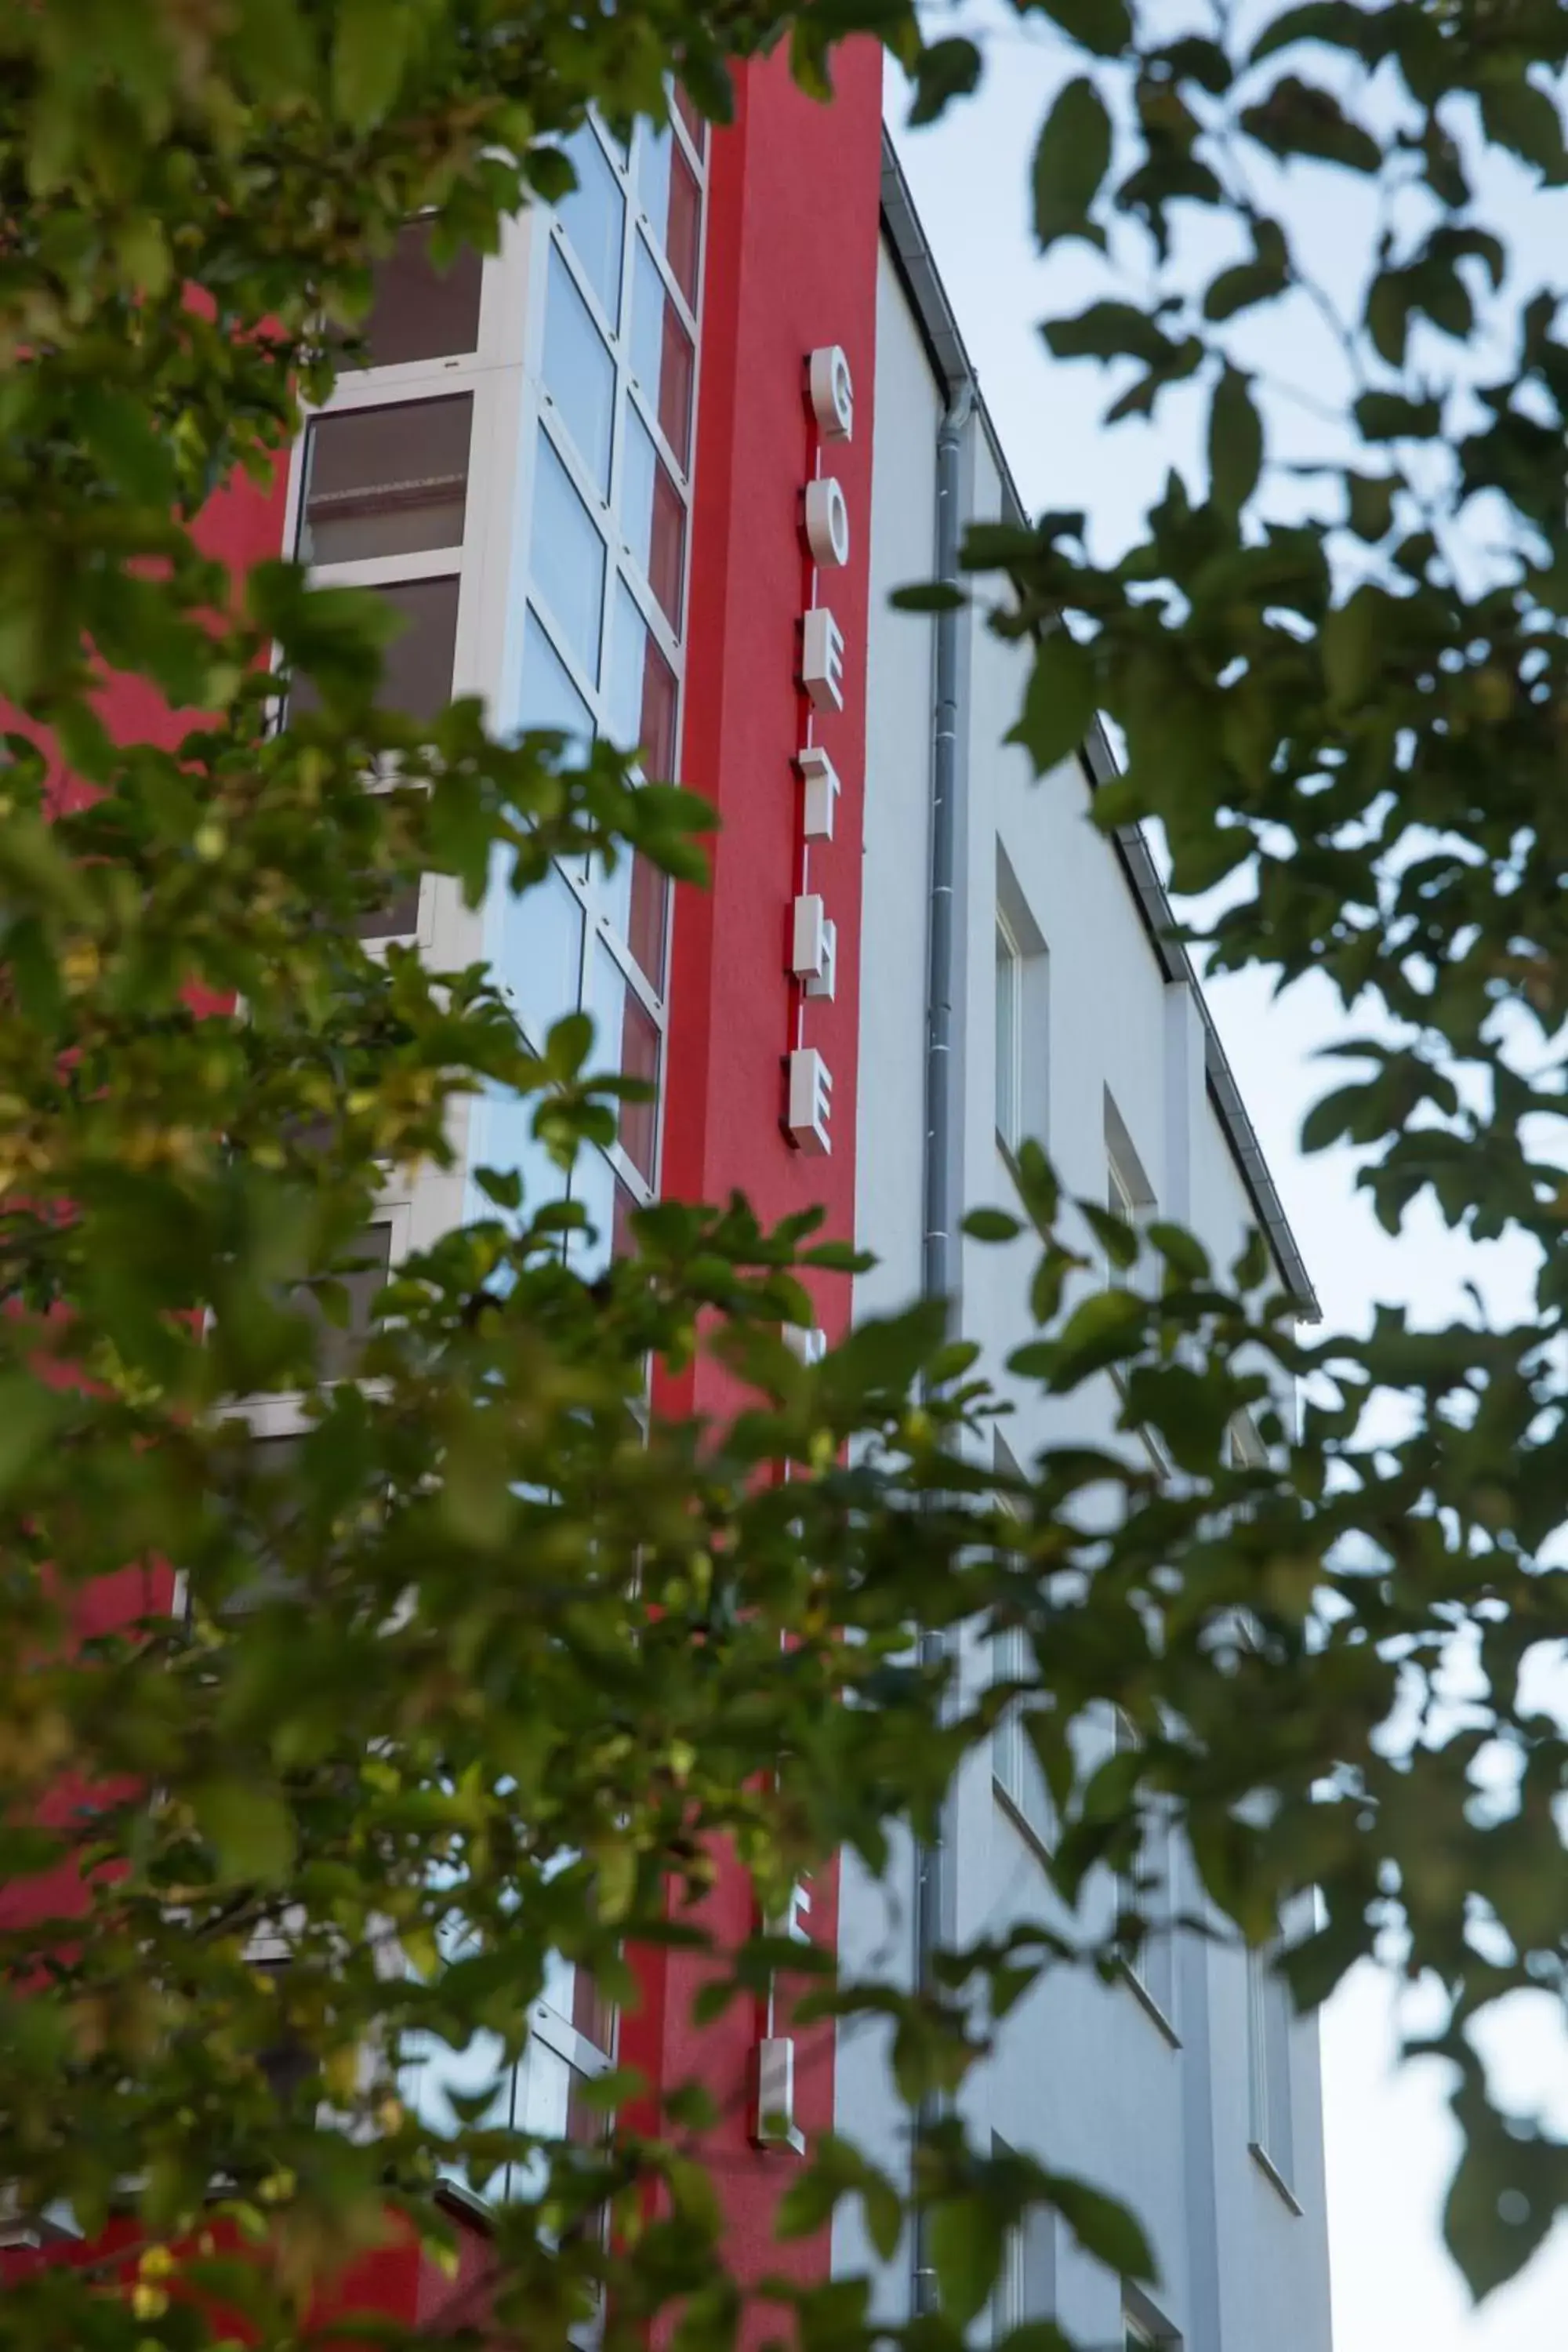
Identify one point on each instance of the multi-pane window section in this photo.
(610, 453)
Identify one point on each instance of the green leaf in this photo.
(1104, 28)
(1058, 702)
(1519, 116)
(966, 2236)
(1302, 118)
(1071, 160)
(1235, 443)
(250, 1828)
(1103, 2226)
(929, 596)
(992, 1225)
(1390, 416)
(945, 70)
(1243, 287)
(370, 56)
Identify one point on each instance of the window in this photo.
(1269, 2018)
(627, 1040)
(419, 311)
(386, 480)
(1023, 1016)
(1009, 1038)
(593, 217)
(1148, 1893)
(567, 558)
(579, 374)
(549, 698)
(662, 357)
(1129, 1194)
(1142, 2327)
(668, 193)
(1026, 2287)
(642, 691)
(653, 517)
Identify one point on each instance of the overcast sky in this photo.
(1390, 2142)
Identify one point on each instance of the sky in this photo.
(1390, 2144)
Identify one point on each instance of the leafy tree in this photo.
(489, 1666)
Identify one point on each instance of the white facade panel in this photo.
(1064, 1009)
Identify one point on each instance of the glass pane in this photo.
(579, 374)
(386, 481)
(653, 518)
(396, 917)
(549, 696)
(635, 901)
(420, 312)
(668, 194)
(642, 692)
(417, 676)
(662, 360)
(416, 667)
(593, 216)
(542, 956)
(627, 1040)
(567, 555)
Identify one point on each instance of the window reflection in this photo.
(653, 518)
(668, 194)
(642, 690)
(593, 216)
(663, 361)
(627, 1041)
(567, 556)
(549, 698)
(579, 374)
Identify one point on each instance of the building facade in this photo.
(651, 473)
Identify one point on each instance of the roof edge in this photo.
(952, 367)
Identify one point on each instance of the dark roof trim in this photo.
(950, 364)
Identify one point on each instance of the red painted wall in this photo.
(792, 231)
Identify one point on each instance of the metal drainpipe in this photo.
(940, 1268)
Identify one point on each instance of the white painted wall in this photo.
(1088, 2077)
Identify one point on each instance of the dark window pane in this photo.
(386, 481)
(593, 217)
(396, 917)
(417, 311)
(416, 667)
(579, 374)
(662, 359)
(653, 518)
